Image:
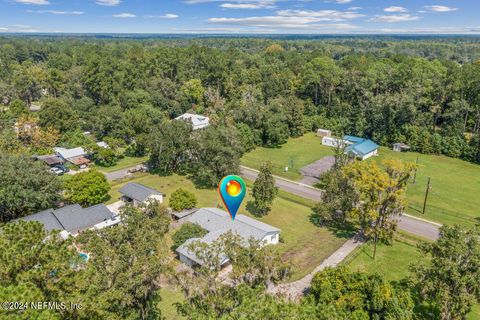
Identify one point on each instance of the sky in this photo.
(242, 16)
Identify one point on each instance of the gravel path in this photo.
(294, 290)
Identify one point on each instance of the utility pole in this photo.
(415, 176)
(426, 196)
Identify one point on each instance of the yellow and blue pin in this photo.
(232, 190)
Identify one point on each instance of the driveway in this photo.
(312, 172)
(294, 290)
(117, 175)
(410, 224)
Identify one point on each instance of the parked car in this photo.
(57, 171)
(63, 168)
(139, 168)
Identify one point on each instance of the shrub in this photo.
(187, 231)
(182, 199)
(87, 188)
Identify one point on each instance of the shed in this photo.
(400, 147)
(324, 133)
(51, 160)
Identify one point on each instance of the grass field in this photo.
(295, 154)
(305, 245)
(392, 262)
(455, 187)
(124, 163)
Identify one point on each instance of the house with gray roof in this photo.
(137, 194)
(74, 219)
(197, 121)
(218, 222)
(77, 156)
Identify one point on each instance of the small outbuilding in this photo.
(136, 194)
(324, 133)
(400, 147)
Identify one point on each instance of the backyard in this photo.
(304, 245)
(455, 183)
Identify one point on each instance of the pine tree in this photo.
(264, 190)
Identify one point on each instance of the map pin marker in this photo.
(232, 190)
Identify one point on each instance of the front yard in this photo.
(304, 244)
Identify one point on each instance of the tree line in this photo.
(265, 90)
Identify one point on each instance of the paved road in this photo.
(299, 189)
(407, 223)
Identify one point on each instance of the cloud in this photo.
(57, 12)
(322, 15)
(108, 3)
(441, 8)
(295, 19)
(435, 30)
(35, 2)
(20, 28)
(395, 9)
(355, 8)
(281, 22)
(166, 16)
(394, 18)
(252, 5)
(343, 1)
(124, 15)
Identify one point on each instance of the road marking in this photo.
(423, 220)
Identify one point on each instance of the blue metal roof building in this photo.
(360, 147)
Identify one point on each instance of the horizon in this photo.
(241, 17)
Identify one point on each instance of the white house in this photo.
(197, 121)
(218, 222)
(137, 194)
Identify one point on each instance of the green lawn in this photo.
(295, 154)
(455, 188)
(392, 262)
(124, 163)
(305, 245)
(169, 296)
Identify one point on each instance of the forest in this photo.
(423, 92)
